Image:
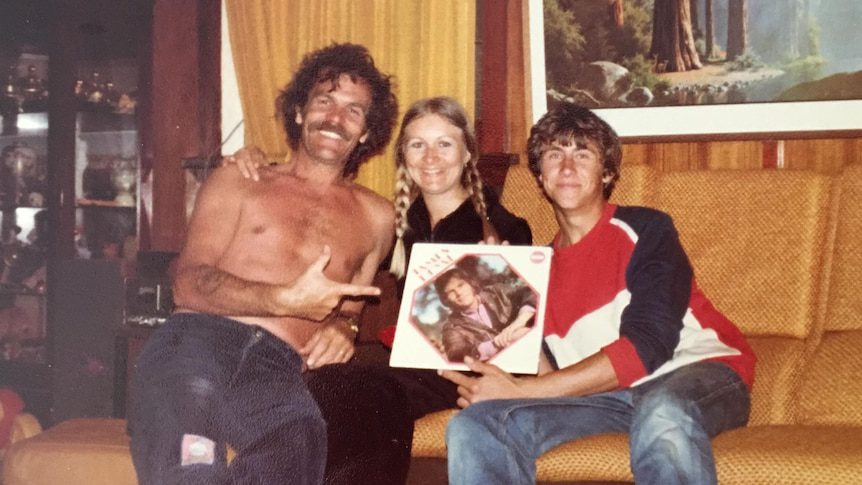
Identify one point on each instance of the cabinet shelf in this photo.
(18, 290)
(84, 203)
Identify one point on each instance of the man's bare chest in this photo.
(308, 218)
(297, 228)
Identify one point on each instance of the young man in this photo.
(280, 262)
(635, 347)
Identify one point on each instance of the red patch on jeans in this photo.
(197, 450)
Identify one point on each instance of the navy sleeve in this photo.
(659, 278)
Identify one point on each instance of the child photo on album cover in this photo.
(479, 301)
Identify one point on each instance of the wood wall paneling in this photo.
(491, 92)
(62, 73)
(822, 154)
(704, 155)
(184, 102)
(826, 155)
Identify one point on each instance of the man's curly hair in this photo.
(571, 121)
(327, 65)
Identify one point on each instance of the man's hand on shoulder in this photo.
(313, 295)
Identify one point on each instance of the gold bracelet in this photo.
(352, 320)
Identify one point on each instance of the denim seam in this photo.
(734, 382)
(252, 341)
(511, 443)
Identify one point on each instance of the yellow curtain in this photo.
(428, 45)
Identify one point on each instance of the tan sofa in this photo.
(780, 252)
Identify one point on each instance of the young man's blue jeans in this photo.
(670, 421)
(217, 381)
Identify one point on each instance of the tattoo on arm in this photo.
(209, 280)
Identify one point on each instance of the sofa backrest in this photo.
(636, 185)
(844, 308)
(523, 197)
(757, 239)
(832, 390)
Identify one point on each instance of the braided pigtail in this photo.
(475, 187)
(403, 197)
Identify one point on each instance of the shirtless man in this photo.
(284, 263)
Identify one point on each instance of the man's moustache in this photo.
(337, 129)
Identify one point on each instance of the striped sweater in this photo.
(627, 289)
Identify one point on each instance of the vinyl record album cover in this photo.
(482, 301)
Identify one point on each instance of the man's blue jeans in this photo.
(670, 421)
(208, 376)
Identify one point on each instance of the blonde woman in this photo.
(439, 196)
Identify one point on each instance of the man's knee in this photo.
(663, 422)
(468, 427)
(669, 407)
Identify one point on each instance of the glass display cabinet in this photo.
(68, 130)
(106, 184)
(25, 239)
(24, 226)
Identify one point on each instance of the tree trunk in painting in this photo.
(695, 19)
(804, 22)
(792, 23)
(616, 12)
(709, 28)
(737, 28)
(672, 39)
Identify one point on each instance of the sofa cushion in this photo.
(832, 389)
(757, 240)
(774, 399)
(844, 305)
(429, 435)
(750, 455)
(603, 457)
(78, 451)
(789, 454)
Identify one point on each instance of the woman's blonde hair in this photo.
(406, 190)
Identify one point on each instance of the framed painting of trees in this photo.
(702, 68)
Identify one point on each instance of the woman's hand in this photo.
(491, 241)
(248, 160)
(332, 343)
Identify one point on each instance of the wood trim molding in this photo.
(501, 91)
(185, 103)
